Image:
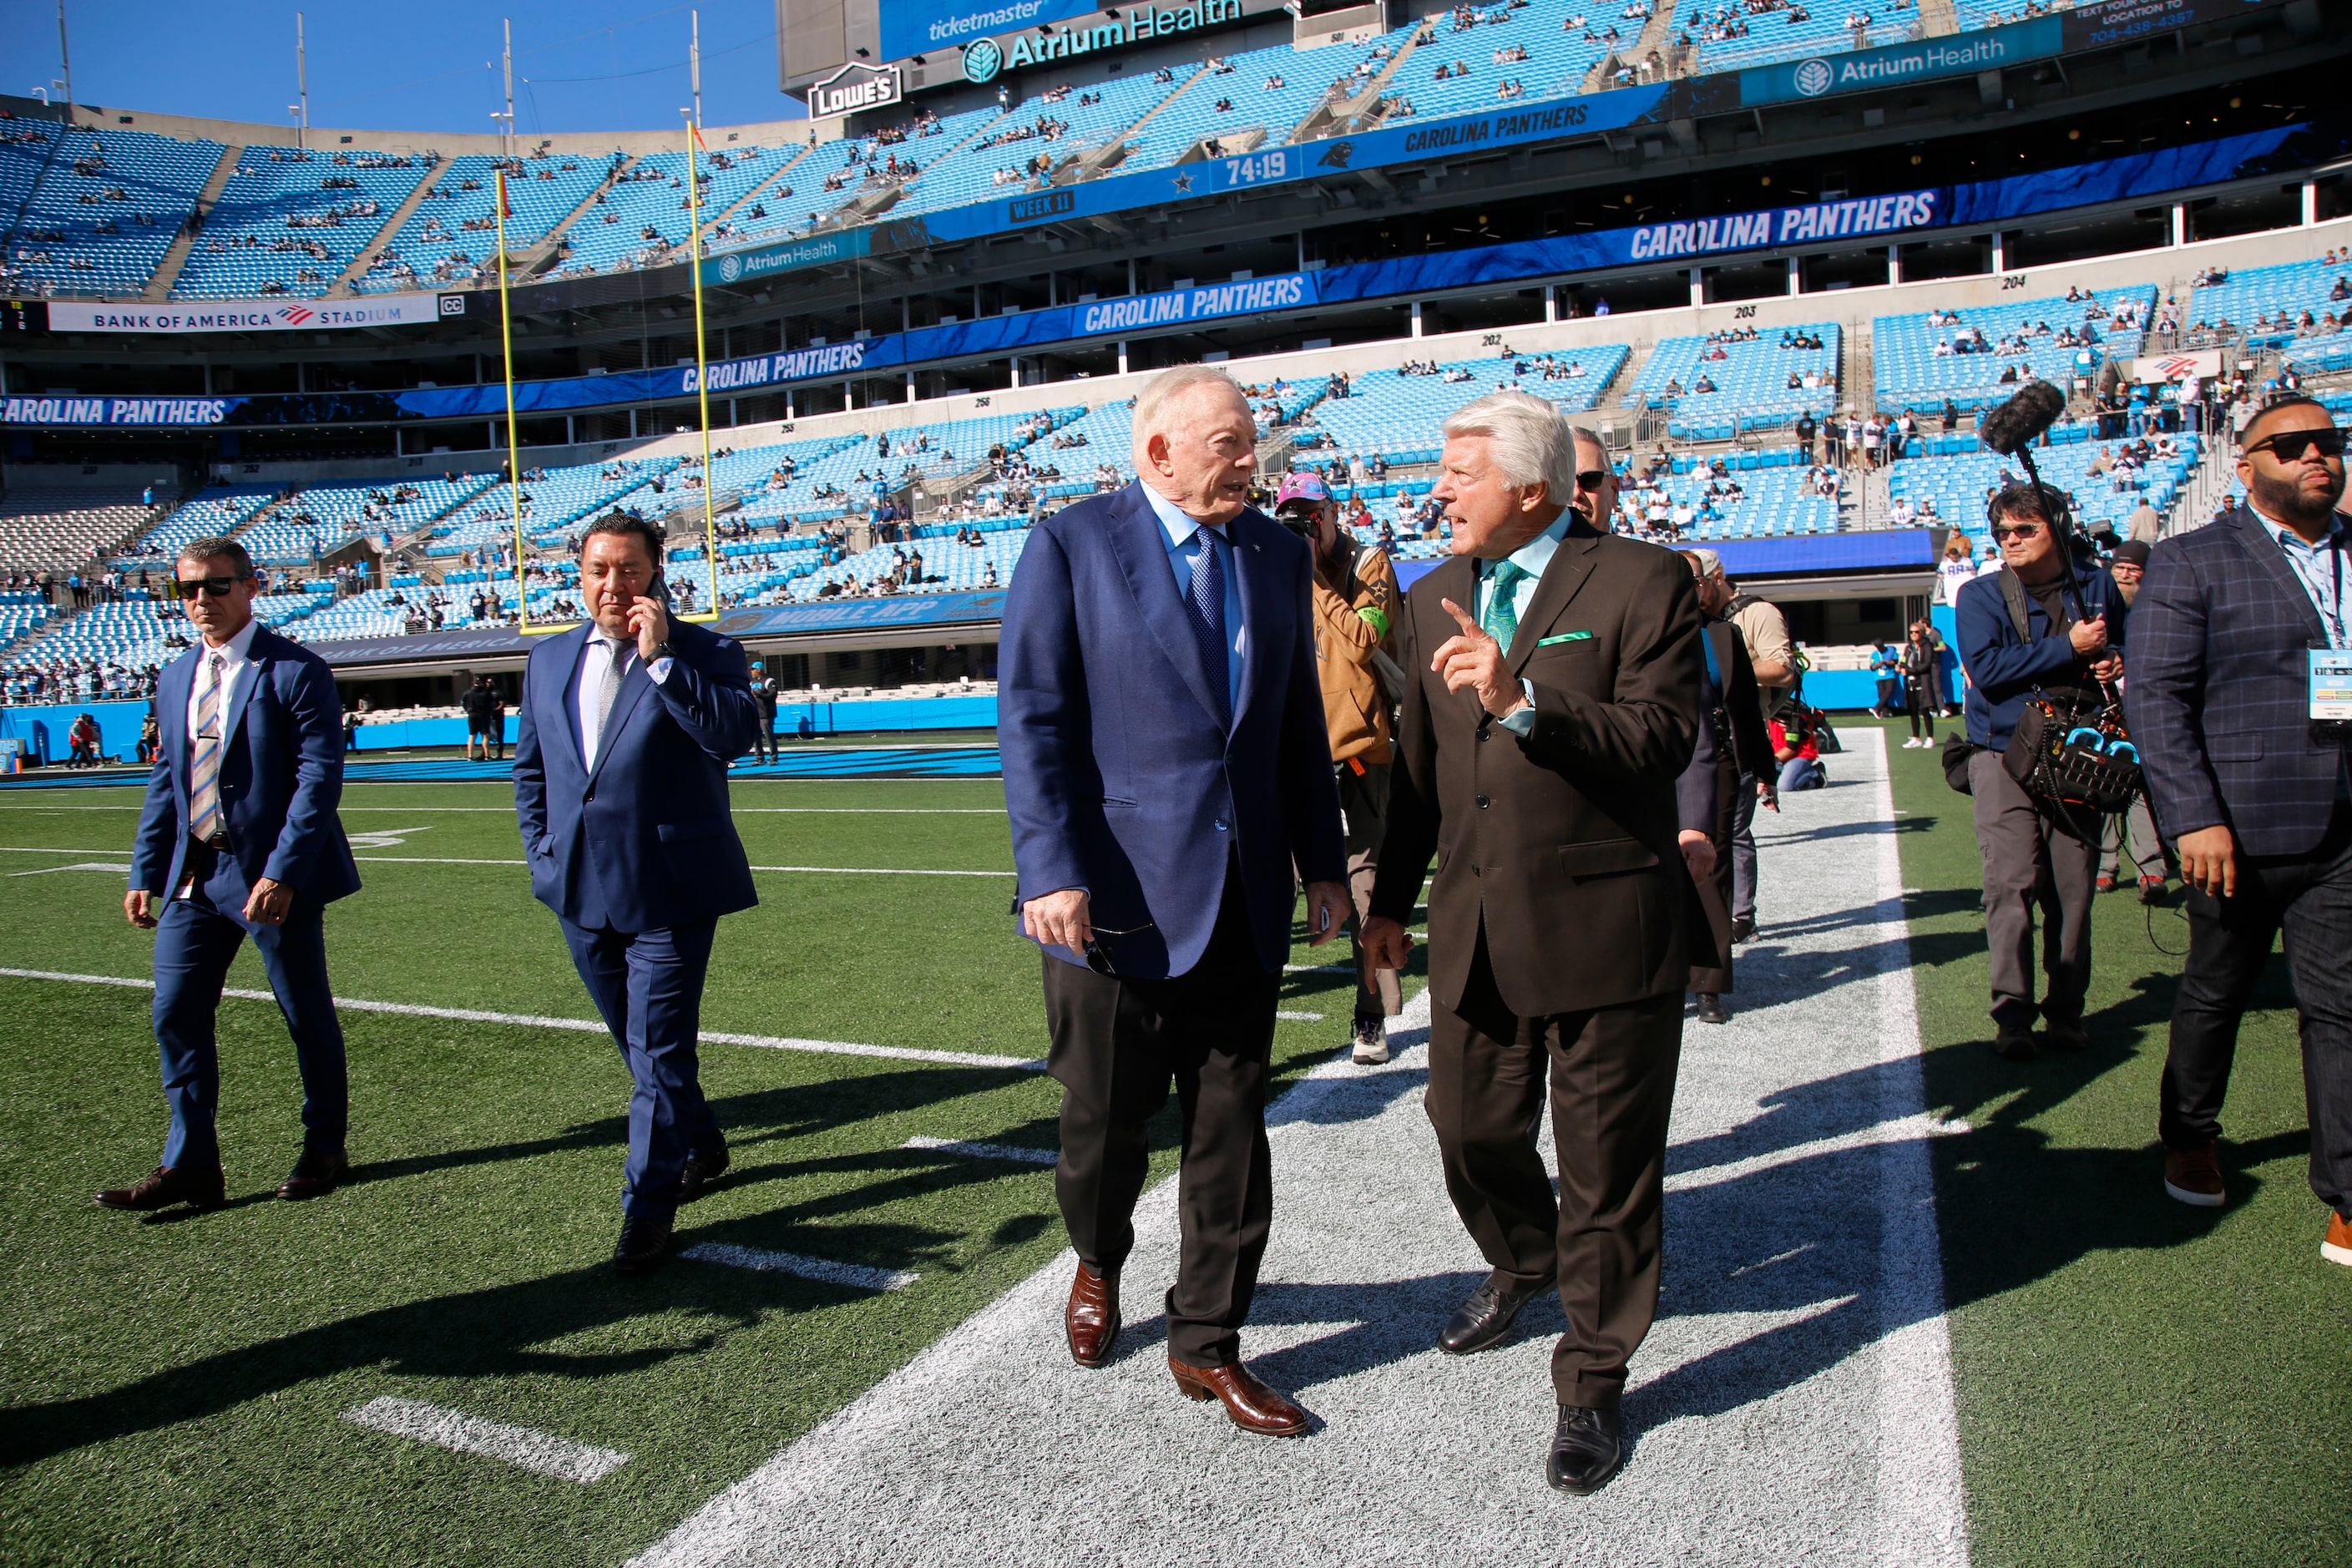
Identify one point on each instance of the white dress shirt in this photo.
(235, 656)
(1183, 546)
(1532, 558)
(594, 657)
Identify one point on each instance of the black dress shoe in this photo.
(1585, 1450)
(644, 1242)
(317, 1173)
(167, 1185)
(1484, 1317)
(1744, 929)
(1710, 1009)
(701, 1171)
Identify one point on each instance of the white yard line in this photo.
(1794, 1398)
(985, 1151)
(855, 1275)
(578, 1025)
(549, 1455)
(1300, 1017)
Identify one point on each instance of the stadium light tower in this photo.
(508, 150)
(694, 59)
(301, 85)
(65, 59)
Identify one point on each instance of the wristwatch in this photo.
(662, 650)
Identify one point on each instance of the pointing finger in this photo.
(1461, 618)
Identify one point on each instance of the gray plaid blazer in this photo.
(2214, 691)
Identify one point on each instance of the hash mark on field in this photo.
(77, 866)
(580, 1026)
(985, 1151)
(1319, 969)
(1300, 1017)
(549, 1455)
(853, 1274)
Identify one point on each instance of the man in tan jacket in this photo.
(1355, 596)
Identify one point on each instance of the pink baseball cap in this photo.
(1302, 484)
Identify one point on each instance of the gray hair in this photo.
(214, 548)
(1533, 444)
(1152, 402)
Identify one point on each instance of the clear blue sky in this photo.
(423, 65)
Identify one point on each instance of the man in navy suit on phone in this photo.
(1167, 774)
(238, 839)
(627, 726)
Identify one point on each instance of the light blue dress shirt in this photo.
(1182, 549)
(1530, 558)
(2319, 567)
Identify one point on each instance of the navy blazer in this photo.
(281, 776)
(1119, 777)
(2005, 669)
(644, 841)
(2216, 693)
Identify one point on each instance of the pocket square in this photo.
(1565, 637)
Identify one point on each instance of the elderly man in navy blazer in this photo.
(627, 726)
(1167, 774)
(239, 838)
(2250, 783)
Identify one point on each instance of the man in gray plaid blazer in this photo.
(2252, 790)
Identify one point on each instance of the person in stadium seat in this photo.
(2037, 858)
(1167, 774)
(1553, 700)
(1354, 596)
(239, 838)
(628, 724)
(2250, 787)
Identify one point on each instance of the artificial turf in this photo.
(172, 1386)
(2139, 1382)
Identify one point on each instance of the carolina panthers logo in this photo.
(982, 61)
(1338, 155)
(1815, 77)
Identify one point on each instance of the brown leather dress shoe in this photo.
(317, 1173)
(1254, 1407)
(168, 1184)
(1091, 1319)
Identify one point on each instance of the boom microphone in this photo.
(2012, 428)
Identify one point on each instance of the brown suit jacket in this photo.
(1562, 843)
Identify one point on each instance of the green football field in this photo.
(2137, 1381)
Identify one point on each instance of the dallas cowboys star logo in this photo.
(1183, 184)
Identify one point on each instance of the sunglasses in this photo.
(1589, 482)
(1099, 956)
(218, 587)
(2289, 446)
(2020, 530)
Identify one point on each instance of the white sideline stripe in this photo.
(1905, 1128)
(1317, 968)
(985, 1151)
(549, 1455)
(578, 1025)
(1300, 1017)
(77, 866)
(818, 1269)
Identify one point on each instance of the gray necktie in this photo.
(609, 688)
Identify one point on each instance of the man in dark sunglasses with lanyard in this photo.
(238, 839)
(2242, 703)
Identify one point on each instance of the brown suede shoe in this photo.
(317, 1173)
(2338, 1247)
(1091, 1319)
(170, 1184)
(1254, 1407)
(2193, 1176)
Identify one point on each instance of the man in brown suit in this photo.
(1555, 699)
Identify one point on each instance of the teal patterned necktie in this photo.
(1501, 620)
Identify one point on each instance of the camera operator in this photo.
(1355, 593)
(2246, 764)
(2045, 623)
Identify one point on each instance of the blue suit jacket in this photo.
(281, 776)
(2215, 694)
(2004, 668)
(644, 841)
(1119, 777)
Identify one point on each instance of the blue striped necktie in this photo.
(1208, 613)
(203, 769)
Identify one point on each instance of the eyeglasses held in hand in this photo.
(2289, 446)
(217, 587)
(1099, 956)
(2018, 531)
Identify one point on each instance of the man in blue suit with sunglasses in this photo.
(238, 839)
(1168, 772)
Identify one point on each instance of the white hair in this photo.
(1152, 402)
(1533, 444)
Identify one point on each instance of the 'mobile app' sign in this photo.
(916, 26)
